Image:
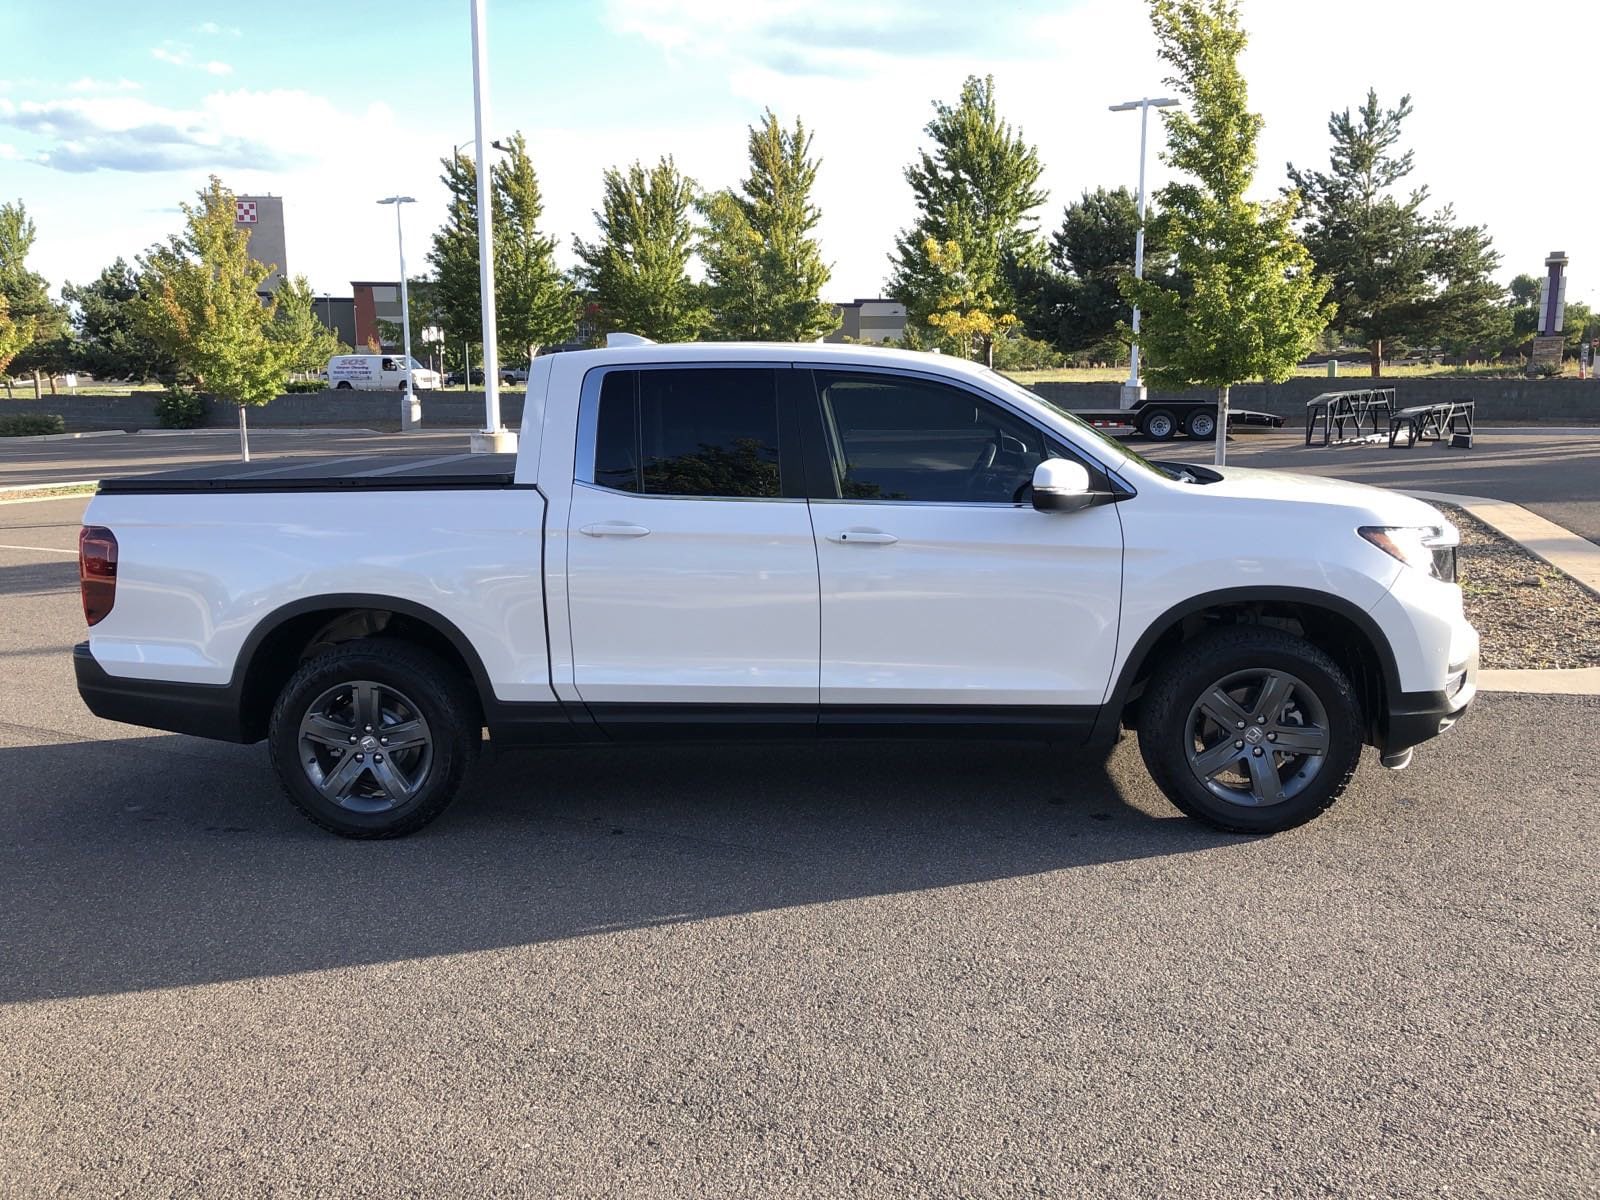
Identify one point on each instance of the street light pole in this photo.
(1133, 390)
(410, 413)
(493, 439)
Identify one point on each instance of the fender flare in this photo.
(1110, 719)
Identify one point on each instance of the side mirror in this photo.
(1060, 485)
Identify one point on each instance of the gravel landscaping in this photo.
(1528, 613)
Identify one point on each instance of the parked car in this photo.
(781, 541)
(379, 372)
(456, 378)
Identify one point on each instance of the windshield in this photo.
(416, 366)
(1016, 390)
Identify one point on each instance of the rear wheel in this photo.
(343, 384)
(372, 738)
(1251, 729)
(1202, 423)
(1159, 424)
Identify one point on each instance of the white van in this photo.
(379, 372)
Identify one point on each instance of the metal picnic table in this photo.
(1335, 410)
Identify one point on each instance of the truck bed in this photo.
(322, 473)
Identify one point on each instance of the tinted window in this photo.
(898, 438)
(616, 441)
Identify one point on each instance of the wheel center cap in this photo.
(369, 742)
(1254, 735)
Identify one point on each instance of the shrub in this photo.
(1024, 354)
(32, 424)
(1547, 370)
(178, 408)
(295, 386)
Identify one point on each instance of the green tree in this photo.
(308, 343)
(968, 316)
(14, 335)
(637, 272)
(535, 303)
(105, 324)
(764, 270)
(39, 324)
(977, 186)
(1074, 301)
(1397, 272)
(1254, 304)
(422, 299)
(204, 307)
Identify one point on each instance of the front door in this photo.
(941, 584)
(692, 571)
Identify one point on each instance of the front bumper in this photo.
(1414, 717)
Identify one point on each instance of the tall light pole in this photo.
(493, 438)
(410, 412)
(1133, 390)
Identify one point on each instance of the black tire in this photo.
(1321, 706)
(1202, 424)
(1159, 424)
(342, 385)
(415, 691)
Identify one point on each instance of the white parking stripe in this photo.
(41, 549)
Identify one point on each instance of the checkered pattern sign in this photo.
(244, 212)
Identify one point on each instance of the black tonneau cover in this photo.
(324, 473)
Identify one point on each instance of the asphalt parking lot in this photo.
(871, 970)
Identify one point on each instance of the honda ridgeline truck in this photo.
(786, 541)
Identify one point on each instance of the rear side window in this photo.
(689, 432)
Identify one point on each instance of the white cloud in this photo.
(212, 29)
(90, 84)
(218, 68)
(8, 151)
(167, 52)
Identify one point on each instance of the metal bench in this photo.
(1431, 422)
(1336, 410)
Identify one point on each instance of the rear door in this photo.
(941, 584)
(692, 570)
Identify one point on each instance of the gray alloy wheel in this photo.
(1160, 425)
(365, 747)
(1202, 424)
(1257, 738)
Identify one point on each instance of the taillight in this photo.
(97, 571)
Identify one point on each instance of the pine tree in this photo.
(105, 325)
(764, 270)
(637, 272)
(535, 303)
(1397, 272)
(976, 187)
(454, 256)
(203, 305)
(1256, 305)
(308, 342)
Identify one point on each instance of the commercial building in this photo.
(874, 320)
(375, 301)
(261, 217)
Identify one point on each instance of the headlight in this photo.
(1430, 548)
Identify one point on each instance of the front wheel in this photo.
(342, 386)
(1251, 729)
(372, 738)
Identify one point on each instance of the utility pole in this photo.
(1133, 391)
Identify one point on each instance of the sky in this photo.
(113, 113)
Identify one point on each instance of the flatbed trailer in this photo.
(1163, 420)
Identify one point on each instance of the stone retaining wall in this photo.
(1541, 401)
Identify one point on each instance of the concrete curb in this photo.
(313, 431)
(1562, 549)
(66, 437)
(1579, 681)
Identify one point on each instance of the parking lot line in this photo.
(43, 549)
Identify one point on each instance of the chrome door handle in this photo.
(614, 529)
(867, 537)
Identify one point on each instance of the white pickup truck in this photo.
(786, 541)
